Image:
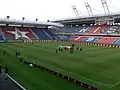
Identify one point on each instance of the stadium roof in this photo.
(31, 23)
(88, 17)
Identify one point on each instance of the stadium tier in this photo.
(54, 36)
(65, 38)
(29, 32)
(7, 33)
(96, 29)
(25, 33)
(44, 34)
(91, 34)
(97, 39)
(1, 37)
(106, 40)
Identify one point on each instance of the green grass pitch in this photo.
(96, 66)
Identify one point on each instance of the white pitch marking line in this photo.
(115, 84)
(16, 82)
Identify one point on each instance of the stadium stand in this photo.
(6, 31)
(63, 37)
(106, 40)
(29, 32)
(112, 30)
(80, 33)
(1, 37)
(78, 29)
(42, 34)
(54, 36)
(90, 39)
(25, 33)
(92, 34)
(117, 42)
(97, 29)
(77, 38)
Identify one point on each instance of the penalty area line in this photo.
(15, 82)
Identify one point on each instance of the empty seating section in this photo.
(73, 30)
(77, 38)
(45, 34)
(98, 29)
(6, 31)
(106, 40)
(83, 29)
(93, 29)
(1, 37)
(117, 42)
(42, 35)
(103, 28)
(54, 37)
(29, 32)
(112, 30)
(97, 39)
(90, 39)
(10, 33)
(69, 29)
(62, 37)
(16, 33)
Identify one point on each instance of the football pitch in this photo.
(96, 66)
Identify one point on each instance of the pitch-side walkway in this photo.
(7, 84)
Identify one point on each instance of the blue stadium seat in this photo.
(65, 38)
(112, 30)
(90, 39)
(117, 42)
(1, 37)
(44, 34)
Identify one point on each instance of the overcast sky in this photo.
(51, 9)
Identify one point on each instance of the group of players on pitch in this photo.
(71, 48)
